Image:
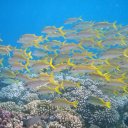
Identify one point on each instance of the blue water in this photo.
(18, 17)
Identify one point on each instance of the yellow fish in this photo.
(67, 83)
(125, 52)
(8, 74)
(83, 68)
(60, 67)
(61, 31)
(62, 102)
(99, 101)
(44, 90)
(49, 88)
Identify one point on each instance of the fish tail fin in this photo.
(61, 31)
(62, 86)
(80, 45)
(25, 52)
(118, 68)
(125, 88)
(107, 76)
(98, 34)
(30, 55)
(99, 72)
(91, 55)
(36, 43)
(120, 79)
(69, 62)
(125, 52)
(46, 47)
(108, 104)
(46, 38)
(75, 103)
(63, 43)
(99, 43)
(9, 48)
(107, 61)
(51, 79)
(78, 84)
(51, 63)
(124, 76)
(60, 28)
(92, 64)
(52, 74)
(56, 52)
(57, 90)
(26, 65)
(115, 92)
(114, 25)
(40, 38)
(123, 42)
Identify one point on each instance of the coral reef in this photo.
(10, 120)
(68, 120)
(39, 107)
(12, 92)
(55, 124)
(105, 118)
(49, 113)
(96, 115)
(17, 93)
(31, 110)
(10, 106)
(94, 126)
(29, 97)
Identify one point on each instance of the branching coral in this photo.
(54, 117)
(10, 106)
(55, 124)
(9, 120)
(93, 114)
(105, 118)
(68, 120)
(29, 97)
(12, 92)
(38, 107)
(49, 113)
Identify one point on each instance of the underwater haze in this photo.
(19, 17)
(63, 63)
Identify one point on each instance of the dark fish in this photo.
(31, 121)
